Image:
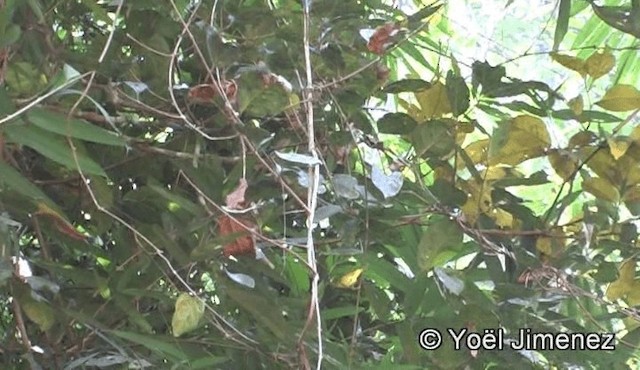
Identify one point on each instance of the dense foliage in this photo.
(281, 184)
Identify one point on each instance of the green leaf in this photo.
(338, 312)
(52, 147)
(443, 235)
(421, 14)
(407, 85)
(10, 36)
(175, 200)
(187, 315)
(601, 189)
(433, 138)
(457, 93)
(381, 270)
(13, 180)
(261, 309)
(519, 139)
(156, 343)
(396, 123)
(562, 23)
(486, 75)
(74, 128)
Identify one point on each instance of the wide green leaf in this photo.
(52, 147)
(74, 128)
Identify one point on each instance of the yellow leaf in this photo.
(599, 64)
(618, 147)
(632, 194)
(433, 102)
(522, 138)
(602, 163)
(476, 151)
(621, 98)
(633, 296)
(625, 282)
(478, 202)
(576, 105)
(494, 173)
(601, 189)
(573, 63)
(581, 139)
(563, 163)
(635, 135)
(349, 279)
(188, 312)
(629, 165)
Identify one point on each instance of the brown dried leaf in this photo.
(243, 245)
(235, 199)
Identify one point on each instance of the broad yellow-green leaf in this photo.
(629, 165)
(521, 138)
(74, 128)
(576, 105)
(563, 163)
(635, 135)
(633, 296)
(262, 310)
(479, 201)
(433, 102)
(621, 98)
(476, 151)
(602, 163)
(601, 189)
(14, 181)
(160, 344)
(53, 147)
(618, 147)
(434, 138)
(581, 139)
(188, 312)
(494, 173)
(349, 279)
(573, 63)
(632, 194)
(440, 236)
(625, 282)
(599, 64)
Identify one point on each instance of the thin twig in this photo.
(41, 98)
(312, 193)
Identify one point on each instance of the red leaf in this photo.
(243, 245)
